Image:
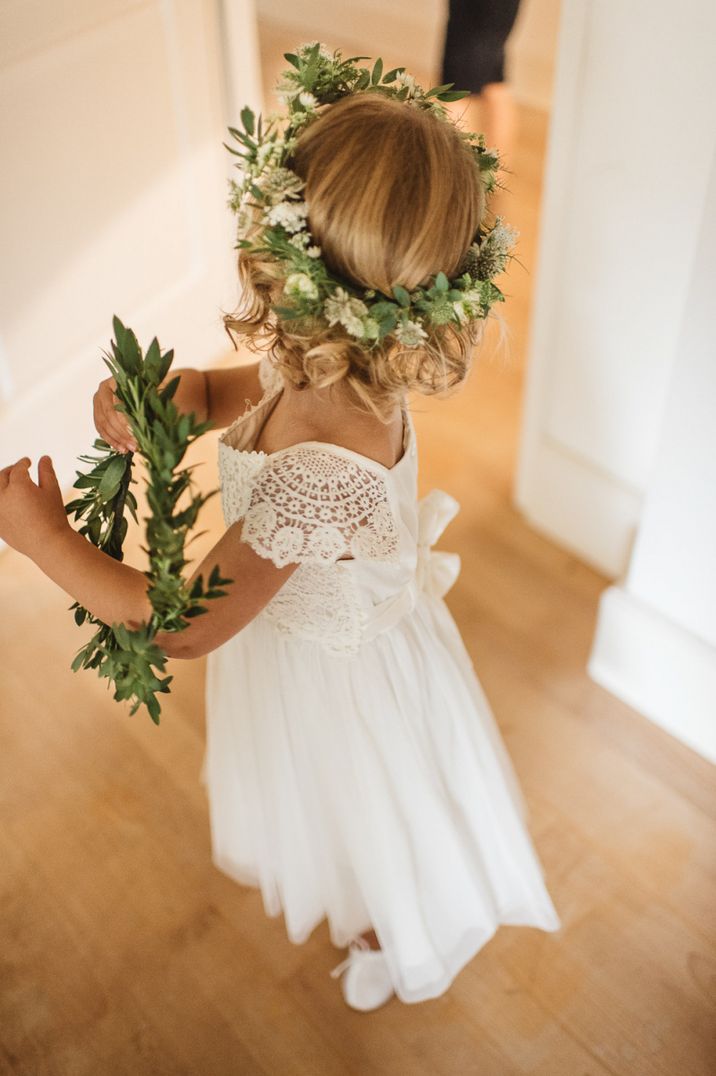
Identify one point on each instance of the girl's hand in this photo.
(112, 425)
(31, 516)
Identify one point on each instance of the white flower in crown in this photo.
(404, 79)
(300, 285)
(308, 100)
(461, 309)
(410, 333)
(301, 119)
(276, 183)
(300, 240)
(469, 305)
(314, 252)
(267, 153)
(502, 237)
(290, 215)
(349, 311)
(323, 50)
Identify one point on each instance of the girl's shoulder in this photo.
(360, 437)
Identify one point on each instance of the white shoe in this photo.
(367, 983)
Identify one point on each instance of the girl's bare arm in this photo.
(117, 593)
(228, 390)
(220, 395)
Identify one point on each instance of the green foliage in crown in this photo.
(272, 215)
(128, 658)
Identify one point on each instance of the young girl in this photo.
(353, 767)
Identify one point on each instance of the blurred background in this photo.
(582, 451)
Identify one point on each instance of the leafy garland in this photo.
(127, 658)
(272, 217)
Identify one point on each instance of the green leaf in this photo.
(121, 635)
(442, 283)
(293, 60)
(154, 708)
(439, 89)
(130, 353)
(118, 330)
(288, 313)
(85, 481)
(236, 152)
(170, 388)
(247, 118)
(112, 477)
(401, 295)
(164, 365)
(78, 660)
(377, 72)
(152, 362)
(453, 95)
(392, 75)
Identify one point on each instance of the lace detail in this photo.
(309, 504)
(319, 602)
(237, 471)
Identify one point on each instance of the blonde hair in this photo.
(394, 197)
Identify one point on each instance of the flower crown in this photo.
(273, 216)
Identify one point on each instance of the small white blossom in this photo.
(300, 118)
(277, 183)
(404, 79)
(299, 240)
(410, 333)
(323, 50)
(469, 306)
(308, 100)
(290, 215)
(314, 252)
(265, 152)
(301, 286)
(502, 237)
(349, 311)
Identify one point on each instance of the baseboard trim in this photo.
(657, 667)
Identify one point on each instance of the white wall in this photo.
(631, 138)
(410, 32)
(618, 447)
(112, 199)
(656, 636)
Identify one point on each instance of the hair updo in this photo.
(394, 197)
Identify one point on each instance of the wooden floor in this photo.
(124, 952)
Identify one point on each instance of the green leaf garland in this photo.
(128, 659)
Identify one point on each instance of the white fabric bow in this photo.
(436, 571)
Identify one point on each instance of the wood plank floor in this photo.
(124, 951)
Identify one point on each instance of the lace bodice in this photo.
(352, 525)
(309, 504)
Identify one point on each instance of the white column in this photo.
(631, 139)
(655, 644)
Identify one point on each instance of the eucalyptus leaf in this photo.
(112, 477)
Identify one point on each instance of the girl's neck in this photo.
(335, 403)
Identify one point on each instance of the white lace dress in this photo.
(353, 766)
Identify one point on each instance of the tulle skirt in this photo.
(372, 790)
